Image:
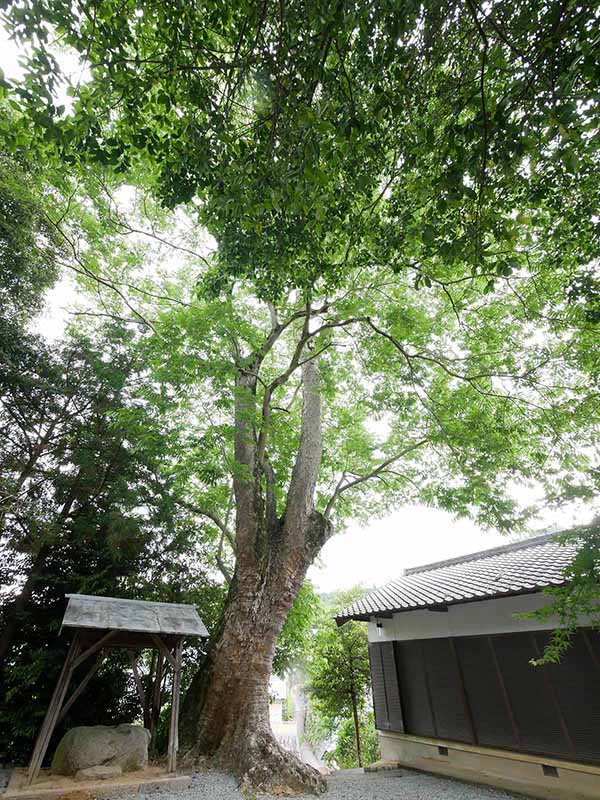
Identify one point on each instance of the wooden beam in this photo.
(90, 674)
(43, 740)
(174, 726)
(138, 681)
(553, 695)
(156, 697)
(505, 697)
(463, 692)
(94, 648)
(164, 649)
(594, 655)
(428, 688)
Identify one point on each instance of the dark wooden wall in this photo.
(483, 690)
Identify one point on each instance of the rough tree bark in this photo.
(226, 710)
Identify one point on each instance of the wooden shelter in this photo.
(104, 623)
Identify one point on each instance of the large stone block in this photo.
(125, 746)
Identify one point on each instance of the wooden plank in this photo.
(138, 681)
(164, 650)
(130, 784)
(143, 616)
(595, 656)
(174, 726)
(428, 688)
(463, 691)
(93, 648)
(392, 687)
(51, 717)
(92, 671)
(156, 698)
(553, 695)
(504, 692)
(380, 708)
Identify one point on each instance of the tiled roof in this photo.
(519, 568)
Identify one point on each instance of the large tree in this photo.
(402, 295)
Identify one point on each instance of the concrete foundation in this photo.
(57, 787)
(532, 776)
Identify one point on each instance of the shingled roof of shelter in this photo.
(519, 568)
(142, 616)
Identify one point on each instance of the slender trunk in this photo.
(356, 726)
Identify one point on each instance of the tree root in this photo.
(262, 765)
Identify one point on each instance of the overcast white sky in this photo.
(370, 554)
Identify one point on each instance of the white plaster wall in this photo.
(464, 619)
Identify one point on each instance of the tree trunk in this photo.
(225, 714)
(226, 710)
(356, 728)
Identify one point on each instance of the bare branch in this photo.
(342, 487)
(205, 512)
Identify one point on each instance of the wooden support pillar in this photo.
(140, 687)
(53, 712)
(156, 698)
(92, 671)
(555, 701)
(174, 727)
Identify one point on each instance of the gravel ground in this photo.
(353, 785)
(345, 785)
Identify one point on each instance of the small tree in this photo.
(339, 670)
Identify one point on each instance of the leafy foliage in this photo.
(428, 137)
(344, 754)
(339, 678)
(28, 245)
(579, 596)
(296, 633)
(84, 510)
(404, 195)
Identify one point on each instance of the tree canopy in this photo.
(354, 249)
(431, 138)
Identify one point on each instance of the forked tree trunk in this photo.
(226, 710)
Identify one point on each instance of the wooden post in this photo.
(156, 698)
(51, 717)
(463, 692)
(174, 727)
(555, 701)
(505, 697)
(93, 670)
(140, 688)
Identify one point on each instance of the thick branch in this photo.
(300, 498)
